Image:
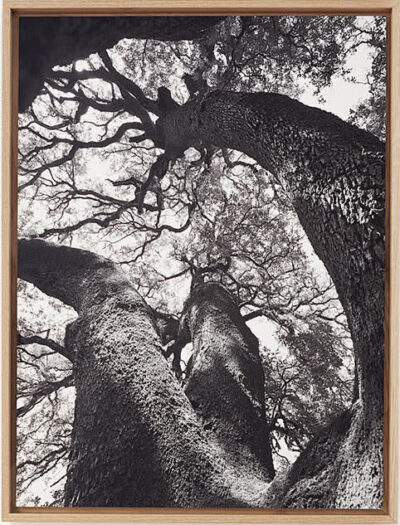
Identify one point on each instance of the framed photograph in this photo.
(200, 260)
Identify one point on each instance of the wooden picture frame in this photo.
(12, 10)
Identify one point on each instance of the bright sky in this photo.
(341, 96)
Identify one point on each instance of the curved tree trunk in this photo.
(334, 174)
(136, 439)
(226, 379)
(49, 41)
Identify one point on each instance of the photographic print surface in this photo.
(201, 262)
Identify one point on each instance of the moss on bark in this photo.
(226, 379)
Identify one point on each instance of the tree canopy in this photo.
(98, 169)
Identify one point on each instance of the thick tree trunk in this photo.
(226, 380)
(136, 440)
(334, 174)
(47, 42)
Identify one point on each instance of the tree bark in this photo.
(136, 438)
(334, 174)
(47, 42)
(226, 379)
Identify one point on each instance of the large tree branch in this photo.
(125, 391)
(320, 160)
(334, 175)
(66, 39)
(130, 86)
(45, 341)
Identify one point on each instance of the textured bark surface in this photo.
(136, 440)
(334, 174)
(312, 481)
(47, 42)
(226, 379)
(340, 468)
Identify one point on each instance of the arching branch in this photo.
(41, 392)
(77, 145)
(45, 341)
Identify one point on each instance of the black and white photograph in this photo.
(201, 262)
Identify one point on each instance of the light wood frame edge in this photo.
(11, 10)
(393, 259)
(9, 254)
